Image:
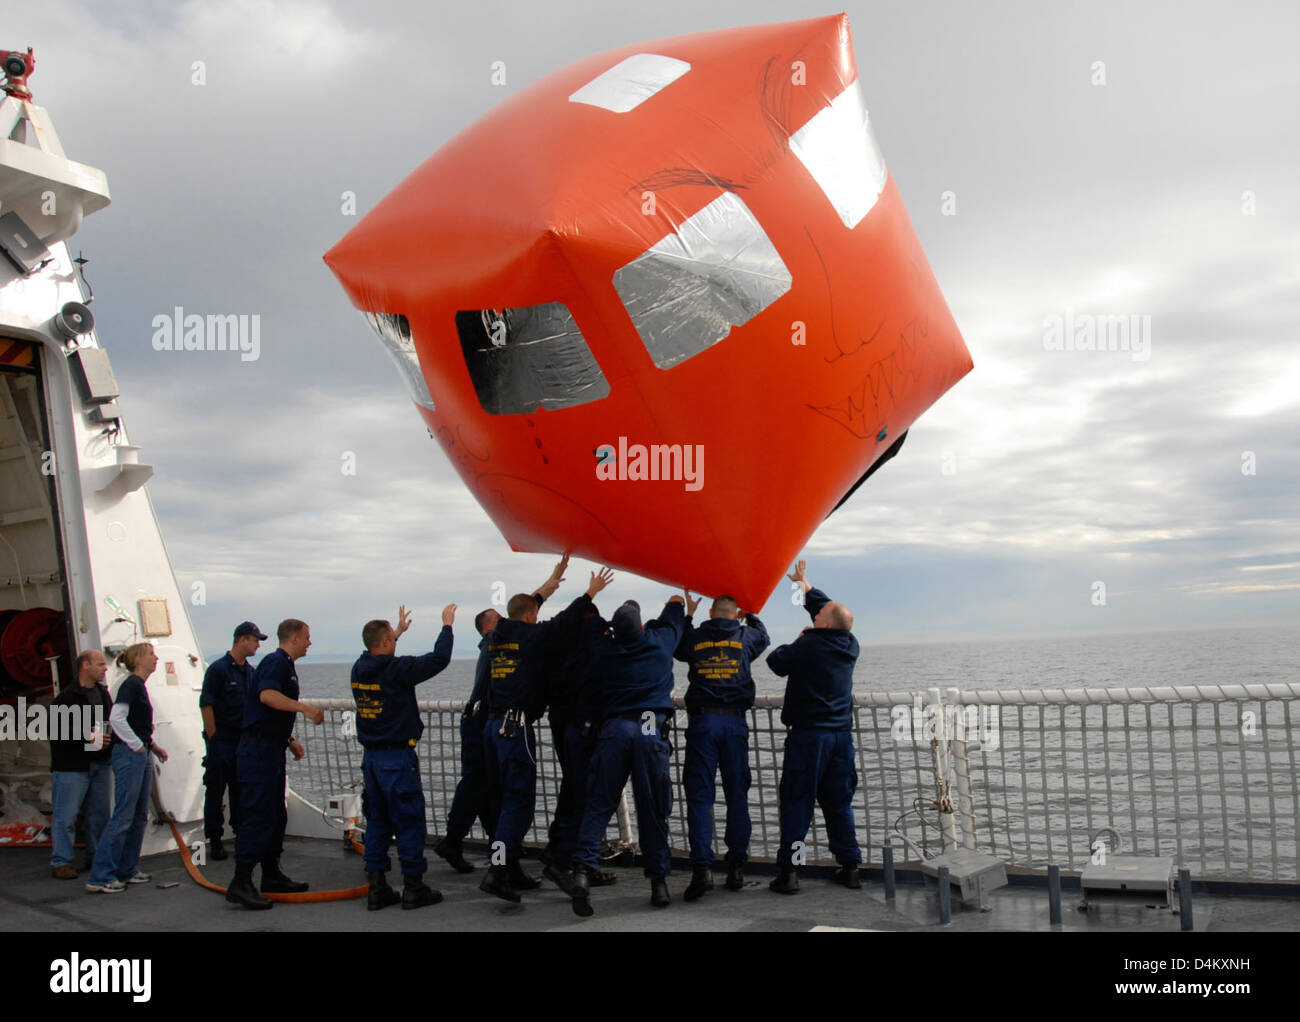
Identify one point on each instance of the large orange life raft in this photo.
(664, 308)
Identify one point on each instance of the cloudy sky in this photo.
(1169, 192)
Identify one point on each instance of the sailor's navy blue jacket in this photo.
(384, 690)
(638, 676)
(818, 668)
(719, 652)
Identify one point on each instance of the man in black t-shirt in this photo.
(81, 776)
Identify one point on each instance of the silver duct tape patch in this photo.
(530, 357)
(394, 333)
(839, 149)
(687, 291)
(630, 82)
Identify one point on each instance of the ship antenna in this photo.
(81, 272)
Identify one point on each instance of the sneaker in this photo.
(65, 872)
(140, 878)
(112, 887)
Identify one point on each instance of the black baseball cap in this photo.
(248, 628)
(627, 622)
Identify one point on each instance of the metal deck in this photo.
(31, 900)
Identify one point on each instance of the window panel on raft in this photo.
(528, 358)
(394, 333)
(686, 292)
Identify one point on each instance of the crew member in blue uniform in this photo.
(574, 710)
(270, 709)
(636, 667)
(517, 651)
(819, 758)
(389, 725)
(225, 688)
(718, 699)
(473, 796)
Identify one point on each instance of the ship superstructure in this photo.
(82, 560)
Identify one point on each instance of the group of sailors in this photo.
(606, 688)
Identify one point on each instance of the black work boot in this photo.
(381, 895)
(701, 883)
(581, 895)
(217, 851)
(497, 882)
(450, 850)
(520, 880)
(601, 877)
(659, 893)
(560, 877)
(735, 876)
(275, 882)
(242, 892)
(847, 875)
(416, 893)
(786, 882)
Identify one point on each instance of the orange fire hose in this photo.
(307, 896)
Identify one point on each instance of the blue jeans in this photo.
(393, 801)
(624, 751)
(713, 742)
(118, 853)
(74, 793)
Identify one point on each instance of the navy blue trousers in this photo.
(219, 775)
(472, 797)
(393, 801)
(819, 766)
(625, 750)
(259, 763)
(512, 777)
(573, 752)
(713, 742)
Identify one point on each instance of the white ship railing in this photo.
(1206, 774)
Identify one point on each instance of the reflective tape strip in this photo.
(630, 82)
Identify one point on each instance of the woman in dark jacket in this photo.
(118, 852)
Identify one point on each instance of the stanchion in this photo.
(1054, 894)
(887, 856)
(945, 896)
(1185, 898)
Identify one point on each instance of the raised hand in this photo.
(449, 614)
(691, 603)
(403, 621)
(798, 576)
(599, 580)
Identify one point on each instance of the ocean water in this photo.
(1182, 779)
(1192, 657)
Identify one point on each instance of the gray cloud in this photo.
(1071, 467)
